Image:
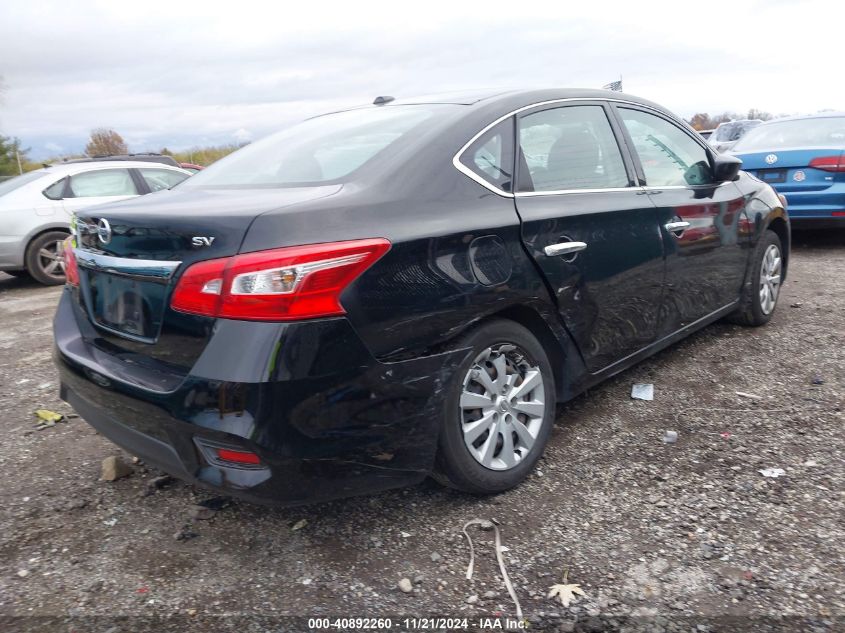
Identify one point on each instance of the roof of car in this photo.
(527, 95)
(150, 157)
(798, 117)
(67, 168)
(462, 97)
(739, 121)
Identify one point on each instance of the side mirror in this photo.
(725, 168)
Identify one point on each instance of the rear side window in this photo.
(669, 156)
(491, 155)
(158, 179)
(571, 147)
(56, 191)
(103, 182)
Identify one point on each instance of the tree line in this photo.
(703, 121)
(14, 157)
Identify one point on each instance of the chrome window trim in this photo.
(529, 194)
(149, 269)
(456, 159)
(710, 186)
(685, 127)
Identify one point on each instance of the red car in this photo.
(191, 167)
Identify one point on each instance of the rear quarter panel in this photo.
(431, 285)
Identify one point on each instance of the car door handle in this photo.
(564, 248)
(676, 228)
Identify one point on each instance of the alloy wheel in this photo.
(51, 259)
(502, 406)
(770, 273)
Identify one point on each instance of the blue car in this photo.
(803, 158)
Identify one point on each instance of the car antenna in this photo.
(382, 100)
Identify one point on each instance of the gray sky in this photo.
(180, 73)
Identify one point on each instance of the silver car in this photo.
(36, 208)
(727, 134)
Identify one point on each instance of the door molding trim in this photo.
(666, 341)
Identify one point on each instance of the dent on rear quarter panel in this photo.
(424, 292)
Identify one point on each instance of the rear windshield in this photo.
(19, 181)
(795, 134)
(322, 150)
(733, 131)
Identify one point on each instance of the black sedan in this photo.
(406, 289)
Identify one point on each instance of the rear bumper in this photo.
(326, 418)
(811, 206)
(816, 221)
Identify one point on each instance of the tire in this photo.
(41, 260)
(753, 309)
(503, 465)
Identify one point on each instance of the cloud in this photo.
(242, 136)
(190, 73)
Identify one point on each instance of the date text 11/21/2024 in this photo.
(417, 624)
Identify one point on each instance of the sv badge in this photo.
(202, 241)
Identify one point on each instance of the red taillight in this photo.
(71, 269)
(838, 214)
(195, 292)
(829, 163)
(237, 457)
(297, 282)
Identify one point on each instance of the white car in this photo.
(36, 207)
(728, 133)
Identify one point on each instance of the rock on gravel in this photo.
(406, 585)
(114, 468)
(202, 513)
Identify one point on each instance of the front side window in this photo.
(158, 179)
(102, 183)
(571, 147)
(669, 156)
(491, 156)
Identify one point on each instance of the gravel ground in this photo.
(685, 536)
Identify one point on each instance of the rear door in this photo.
(99, 186)
(592, 232)
(700, 220)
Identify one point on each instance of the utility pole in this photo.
(18, 156)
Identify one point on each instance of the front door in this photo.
(702, 222)
(592, 232)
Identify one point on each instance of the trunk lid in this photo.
(789, 170)
(131, 255)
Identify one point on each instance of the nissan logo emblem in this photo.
(104, 231)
